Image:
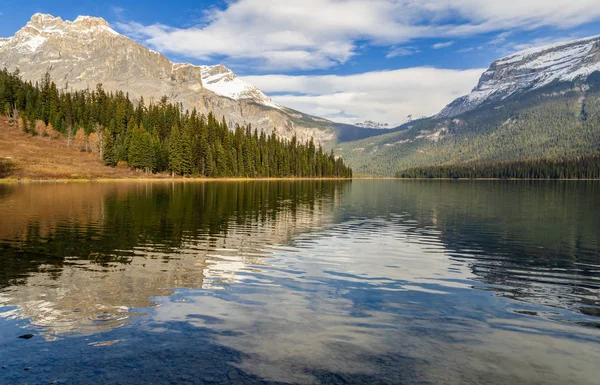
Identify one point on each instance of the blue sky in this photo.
(346, 60)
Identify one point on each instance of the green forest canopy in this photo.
(162, 137)
(582, 167)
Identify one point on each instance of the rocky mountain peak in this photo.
(44, 23)
(82, 53)
(41, 20)
(218, 69)
(529, 70)
(90, 22)
(217, 73)
(46, 30)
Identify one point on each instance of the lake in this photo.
(300, 282)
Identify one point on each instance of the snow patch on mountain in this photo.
(529, 70)
(222, 81)
(524, 54)
(35, 42)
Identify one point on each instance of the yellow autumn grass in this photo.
(49, 158)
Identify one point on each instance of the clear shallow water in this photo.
(382, 282)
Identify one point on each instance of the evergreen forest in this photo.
(159, 137)
(583, 167)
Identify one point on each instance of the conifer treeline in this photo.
(162, 137)
(583, 167)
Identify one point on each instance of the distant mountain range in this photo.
(82, 53)
(372, 124)
(539, 103)
(529, 70)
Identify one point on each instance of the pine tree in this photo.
(185, 145)
(109, 153)
(141, 150)
(175, 152)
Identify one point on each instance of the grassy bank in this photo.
(26, 158)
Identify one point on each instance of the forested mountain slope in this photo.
(554, 114)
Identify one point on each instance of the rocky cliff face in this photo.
(531, 69)
(82, 53)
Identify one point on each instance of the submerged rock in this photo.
(27, 336)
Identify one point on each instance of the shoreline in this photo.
(170, 180)
(262, 179)
(499, 179)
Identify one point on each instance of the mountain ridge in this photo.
(82, 53)
(530, 69)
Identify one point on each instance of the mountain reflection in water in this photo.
(79, 257)
(302, 282)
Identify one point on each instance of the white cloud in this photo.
(504, 46)
(118, 11)
(501, 38)
(401, 51)
(384, 96)
(442, 45)
(309, 34)
(540, 42)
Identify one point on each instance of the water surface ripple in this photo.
(306, 282)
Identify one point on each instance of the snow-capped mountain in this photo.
(372, 124)
(529, 70)
(535, 104)
(222, 81)
(82, 53)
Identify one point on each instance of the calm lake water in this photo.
(308, 282)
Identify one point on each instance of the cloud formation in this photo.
(401, 51)
(309, 34)
(119, 12)
(384, 96)
(442, 45)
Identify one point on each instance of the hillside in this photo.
(541, 103)
(23, 156)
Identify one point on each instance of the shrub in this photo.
(40, 128)
(51, 132)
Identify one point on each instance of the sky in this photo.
(345, 60)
